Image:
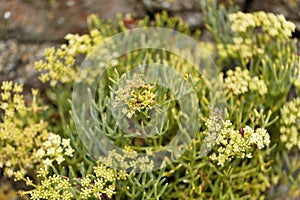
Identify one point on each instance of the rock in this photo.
(17, 60)
(239, 3)
(171, 5)
(188, 10)
(193, 18)
(51, 20)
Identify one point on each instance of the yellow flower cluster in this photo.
(137, 95)
(274, 25)
(82, 44)
(22, 139)
(290, 124)
(239, 82)
(18, 144)
(18, 140)
(231, 143)
(60, 64)
(51, 187)
(263, 26)
(97, 185)
(245, 47)
(128, 160)
(101, 183)
(12, 103)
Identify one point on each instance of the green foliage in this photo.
(259, 65)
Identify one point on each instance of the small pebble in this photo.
(60, 20)
(7, 15)
(70, 3)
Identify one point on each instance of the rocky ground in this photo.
(27, 27)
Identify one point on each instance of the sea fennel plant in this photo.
(236, 153)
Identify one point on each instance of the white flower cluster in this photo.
(274, 25)
(290, 124)
(260, 137)
(232, 143)
(214, 124)
(54, 149)
(239, 82)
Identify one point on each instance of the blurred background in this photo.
(27, 27)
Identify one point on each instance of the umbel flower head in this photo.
(54, 149)
(60, 64)
(137, 96)
(290, 124)
(231, 143)
(274, 25)
(239, 82)
(99, 184)
(25, 143)
(265, 27)
(128, 160)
